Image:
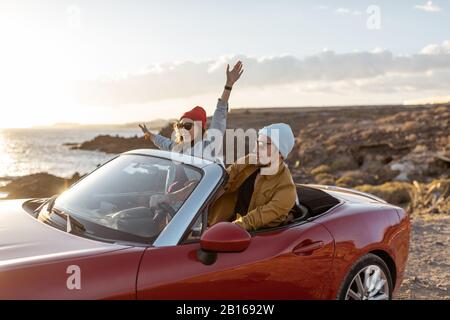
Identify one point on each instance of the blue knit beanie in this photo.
(281, 136)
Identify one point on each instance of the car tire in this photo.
(369, 278)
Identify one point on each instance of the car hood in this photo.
(25, 240)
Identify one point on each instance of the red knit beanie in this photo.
(196, 114)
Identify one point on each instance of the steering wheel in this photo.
(144, 221)
(166, 209)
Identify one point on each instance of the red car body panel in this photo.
(364, 228)
(35, 257)
(268, 269)
(105, 276)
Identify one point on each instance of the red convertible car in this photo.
(108, 238)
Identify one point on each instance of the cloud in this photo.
(436, 49)
(322, 7)
(428, 7)
(378, 71)
(340, 11)
(347, 11)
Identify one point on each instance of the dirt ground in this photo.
(428, 271)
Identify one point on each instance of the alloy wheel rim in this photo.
(370, 283)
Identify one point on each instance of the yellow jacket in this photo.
(273, 197)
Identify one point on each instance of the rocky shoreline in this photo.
(110, 144)
(116, 144)
(38, 185)
(376, 151)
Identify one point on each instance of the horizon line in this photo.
(63, 125)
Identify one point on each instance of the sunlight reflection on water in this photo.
(2, 184)
(27, 151)
(5, 159)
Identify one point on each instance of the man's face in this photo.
(267, 154)
(264, 149)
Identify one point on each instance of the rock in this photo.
(117, 144)
(71, 144)
(404, 169)
(39, 185)
(114, 145)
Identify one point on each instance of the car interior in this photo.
(311, 202)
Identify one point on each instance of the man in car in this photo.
(255, 197)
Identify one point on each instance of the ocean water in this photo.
(27, 151)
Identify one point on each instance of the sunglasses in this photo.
(186, 125)
(263, 144)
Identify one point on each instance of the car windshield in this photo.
(126, 199)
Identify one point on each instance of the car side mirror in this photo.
(222, 237)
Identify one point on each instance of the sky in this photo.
(98, 61)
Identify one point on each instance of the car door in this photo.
(287, 263)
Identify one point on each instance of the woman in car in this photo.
(191, 134)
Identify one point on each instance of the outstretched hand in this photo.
(144, 129)
(234, 74)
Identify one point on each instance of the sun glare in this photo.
(37, 66)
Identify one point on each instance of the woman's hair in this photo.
(179, 136)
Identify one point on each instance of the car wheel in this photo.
(368, 279)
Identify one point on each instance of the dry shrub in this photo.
(397, 193)
(395, 118)
(442, 109)
(324, 178)
(321, 169)
(331, 148)
(410, 125)
(331, 120)
(345, 182)
(418, 198)
(352, 178)
(334, 139)
(365, 135)
(411, 138)
(344, 162)
(430, 198)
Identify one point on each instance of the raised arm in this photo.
(219, 119)
(232, 77)
(158, 140)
